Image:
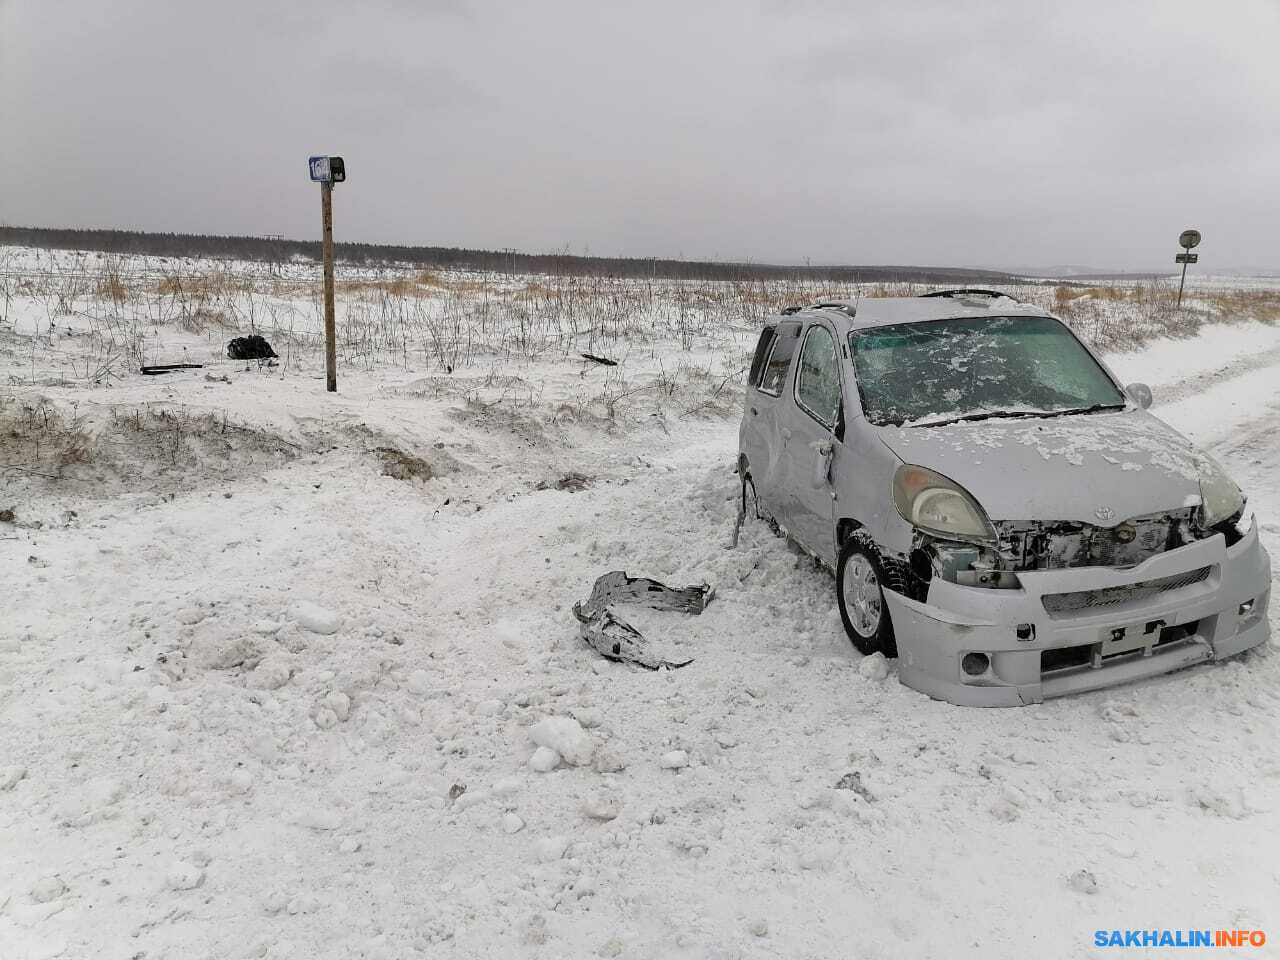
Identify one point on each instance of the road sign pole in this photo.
(1187, 240)
(330, 332)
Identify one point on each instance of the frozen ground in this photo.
(258, 698)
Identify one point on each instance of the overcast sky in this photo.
(1007, 133)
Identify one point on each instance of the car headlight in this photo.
(931, 502)
(1221, 498)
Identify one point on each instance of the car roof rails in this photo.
(840, 305)
(967, 292)
(844, 307)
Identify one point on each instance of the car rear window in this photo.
(761, 355)
(783, 349)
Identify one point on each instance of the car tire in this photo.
(860, 597)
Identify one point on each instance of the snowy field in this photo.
(270, 657)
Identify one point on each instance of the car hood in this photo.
(1100, 468)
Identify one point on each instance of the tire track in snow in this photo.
(1198, 384)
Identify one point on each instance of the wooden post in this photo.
(330, 331)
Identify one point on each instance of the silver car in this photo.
(1000, 513)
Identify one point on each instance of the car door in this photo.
(809, 423)
(760, 440)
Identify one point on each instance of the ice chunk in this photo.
(566, 737)
(317, 619)
(544, 760)
(184, 876)
(9, 776)
(874, 667)
(547, 849)
(673, 760)
(47, 889)
(602, 807)
(511, 823)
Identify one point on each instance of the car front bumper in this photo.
(1204, 601)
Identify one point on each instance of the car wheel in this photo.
(861, 598)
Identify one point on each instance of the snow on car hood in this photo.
(1099, 468)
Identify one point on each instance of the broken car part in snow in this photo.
(616, 639)
(252, 347)
(156, 369)
(572, 482)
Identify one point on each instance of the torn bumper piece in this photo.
(614, 638)
(980, 647)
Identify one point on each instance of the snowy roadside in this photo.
(283, 711)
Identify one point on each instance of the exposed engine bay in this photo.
(1037, 545)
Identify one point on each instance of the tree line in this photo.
(278, 249)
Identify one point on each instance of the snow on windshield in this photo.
(975, 366)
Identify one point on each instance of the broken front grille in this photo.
(1059, 604)
(1037, 545)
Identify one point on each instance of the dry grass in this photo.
(444, 322)
(111, 287)
(216, 284)
(1260, 305)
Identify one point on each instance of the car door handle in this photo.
(755, 412)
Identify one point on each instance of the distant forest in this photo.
(275, 249)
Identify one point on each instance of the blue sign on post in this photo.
(320, 169)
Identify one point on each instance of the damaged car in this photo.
(1000, 512)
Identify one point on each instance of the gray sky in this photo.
(1011, 133)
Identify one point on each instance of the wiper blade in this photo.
(1011, 414)
(984, 415)
(1092, 408)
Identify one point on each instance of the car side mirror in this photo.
(1140, 394)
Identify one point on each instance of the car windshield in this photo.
(941, 371)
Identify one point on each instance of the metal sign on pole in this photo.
(1187, 239)
(327, 171)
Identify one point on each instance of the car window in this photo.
(761, 355)
(784, 347)
(975, 367)
(818, 378)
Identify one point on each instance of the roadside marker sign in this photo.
(327, 171)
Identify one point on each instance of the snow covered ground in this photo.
(270, 660)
